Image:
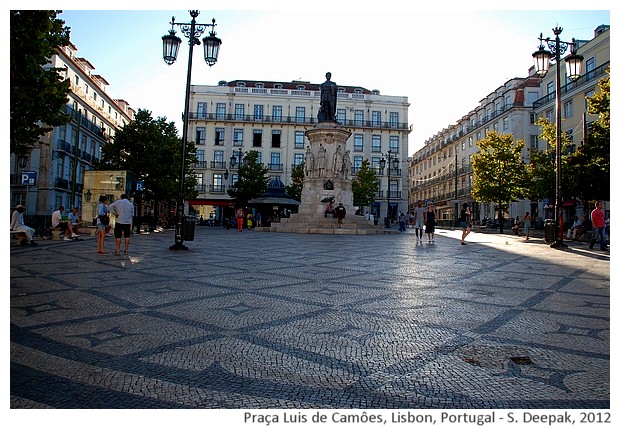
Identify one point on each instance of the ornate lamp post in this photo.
(542, 59)
(171, 45)
(391, 163)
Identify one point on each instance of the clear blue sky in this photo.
(444, 60)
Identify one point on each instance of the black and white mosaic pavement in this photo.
(272, 320)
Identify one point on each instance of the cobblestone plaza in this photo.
(259, 320)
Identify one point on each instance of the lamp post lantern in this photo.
(391, 163)
(171, 43)
(542, 59)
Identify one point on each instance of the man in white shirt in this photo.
(123, 210)
(64, 225)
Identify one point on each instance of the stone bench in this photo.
(20, 236)
(55, 233)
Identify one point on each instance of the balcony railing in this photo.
(588, 77)
(217, 189)
(218, 165)
(275, 167)
(355, 123)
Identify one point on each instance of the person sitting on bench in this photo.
(17, 224)
(63, 224)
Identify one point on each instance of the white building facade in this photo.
(441, 171)
(61, 157)
(271, 118)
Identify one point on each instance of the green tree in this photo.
(500, 175)
(151, 149)
(38, 93)
(588, 168)
(297, 182)
(251, 182)
(542, 163)
(364, 186)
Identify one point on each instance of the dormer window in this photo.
(260, 85)
(278, 86)
(301, 87)
(241, 84)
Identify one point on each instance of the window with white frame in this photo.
(358, 142)
(376, 143)
(238, 137)
(376, 118)
(200, 135)
(359, 118)
(568, 109)
(201, 110)
(220, 111)
(341, 115)
(275, 138)
(239, 111)
(277, 113)
(394, 119)
(258, 112)
(394, 144)
(274, 162)
(299, 139)
(300, 114)
(357, 163)
(219, 136)
(298, 158)
(257, 138)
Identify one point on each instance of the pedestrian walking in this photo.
(527, 224)
(598, 225)
(429, 220)
(240, 220)
(103, 223)
(341, 212)
(418, 219)
(465, 222)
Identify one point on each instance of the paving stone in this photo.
(296, 321)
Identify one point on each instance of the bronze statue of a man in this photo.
(329, 94)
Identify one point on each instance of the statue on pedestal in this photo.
(329, 95)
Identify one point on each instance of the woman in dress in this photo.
(429, 220)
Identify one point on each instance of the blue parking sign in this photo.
(29, 178)
(140, 185)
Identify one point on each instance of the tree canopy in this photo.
(297, 182)
(251, 182)
(151, 149)
(500, 175)
(364, 186)
(38, 93)
(588, 168)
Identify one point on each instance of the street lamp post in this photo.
(171, 45)
(391, 163)
(542, 59)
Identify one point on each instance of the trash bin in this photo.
(189, 228)
(550, 230)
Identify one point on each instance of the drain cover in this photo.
(522, 360)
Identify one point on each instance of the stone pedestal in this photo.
(327, 177)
